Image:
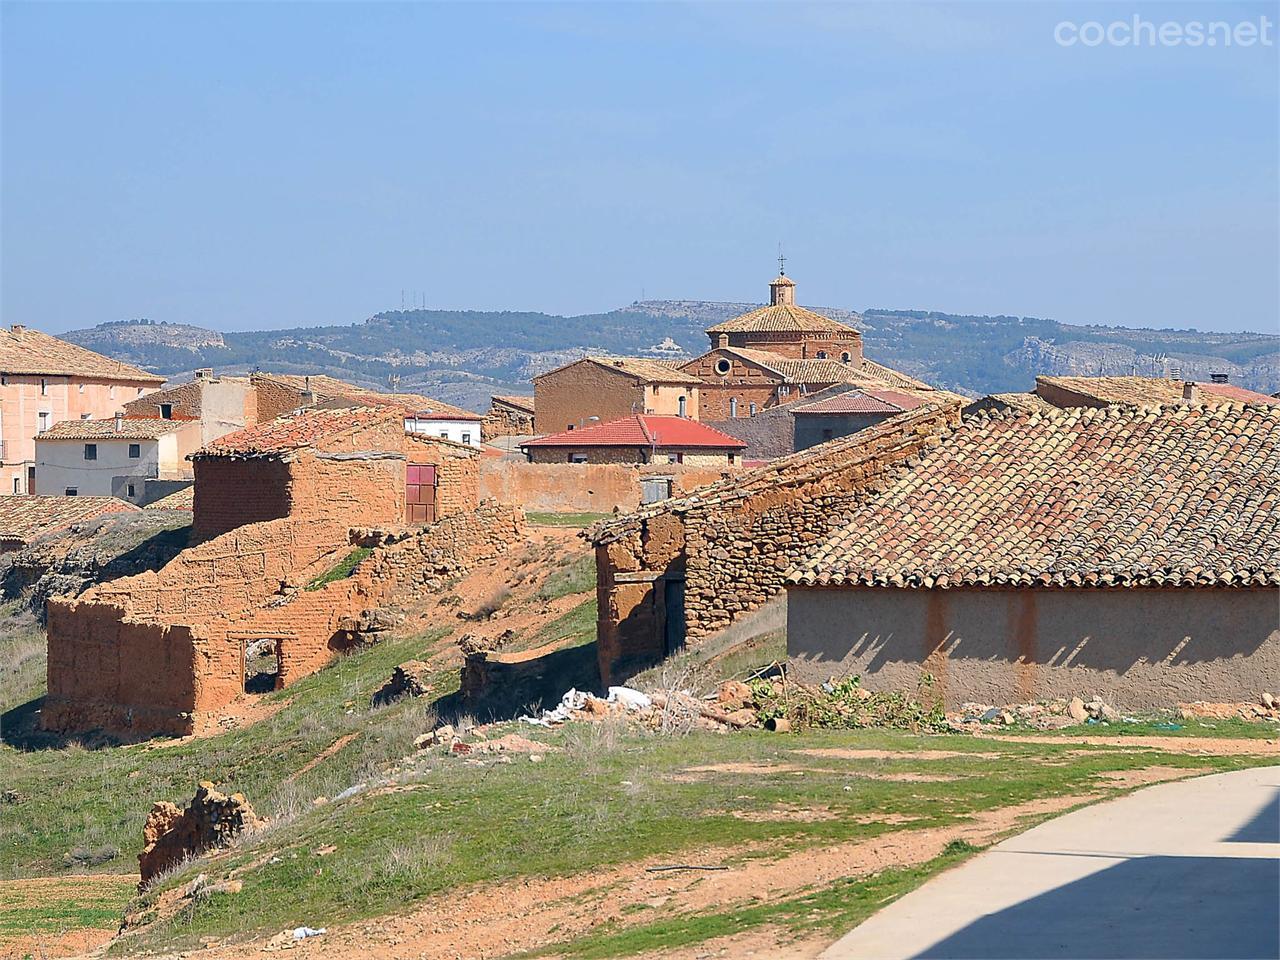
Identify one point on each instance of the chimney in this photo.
(1189, 391)
(19, 328)
(119, 421)
(204, 373)
(1220, 377)
(722, 340)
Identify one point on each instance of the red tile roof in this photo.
(297, 431)
(1084, 496)
(643, 430)
(131, 428)
(862, 400)
(26, 351)
(24, 518)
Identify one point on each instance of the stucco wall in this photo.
(1137, 648)
(809, 427)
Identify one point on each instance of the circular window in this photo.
(723, 367)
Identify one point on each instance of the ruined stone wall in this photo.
(726, 548)
(505, 421)
(273, 399)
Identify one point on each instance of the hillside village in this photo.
(655, 587)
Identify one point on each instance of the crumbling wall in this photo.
(231, 492)
(723, 551)
(504, 420)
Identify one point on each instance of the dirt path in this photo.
(498, 920)
(1192, 746)
(63, 916)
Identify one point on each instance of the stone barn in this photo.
(684, 569)
(277, 508)
(1130, 552)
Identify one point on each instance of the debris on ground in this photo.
(409, 679)
(577, 704)
(302, 933)
(1266, 708)
(783, 704)
(172, 835)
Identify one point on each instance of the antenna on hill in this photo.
(393, 381)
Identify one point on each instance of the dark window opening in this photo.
(261, 665)
(131, 490)
(166, 411)
(827, 434)
(72, 492)
(91, 451)
(135, 451)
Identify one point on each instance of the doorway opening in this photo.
(261, 664)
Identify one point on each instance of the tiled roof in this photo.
(1026, 402)
(524, 403)
(24, 518)
(813, 371)
(862, 400)
(782, 318)
(297, 431)
(131, 428)
(1150, 390)
(183, 499)
(326, 388)
(26, 351)
(878, 371)
(1113, 496)
(641, 368)
(643, 430)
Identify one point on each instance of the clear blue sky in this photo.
(254, 165)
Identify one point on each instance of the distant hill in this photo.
(464, 356)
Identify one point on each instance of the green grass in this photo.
(608, 798)
(22, 655)
(342, 569)
(566, 519)
(578, 575)
(103, 796)
(570, 629)
(92, 905)
(1174, 726)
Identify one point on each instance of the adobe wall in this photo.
(458, 476)
(1061, 397)
(732, 543)
(581, 487)
(505, 421)
(1137, 648)
(232, 492)
(569, 397)
(161, 652)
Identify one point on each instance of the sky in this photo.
(264, 165)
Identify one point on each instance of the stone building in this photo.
(1129, 552)
(277, 507)
(44, 381)
(508, 416)
(779, 354)
(600, 389)
(639, 439)
(686, 568)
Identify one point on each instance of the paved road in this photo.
(1182, 870)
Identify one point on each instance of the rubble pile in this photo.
(409, 679)
(843, 704)
(171, 835)
(1266, 708)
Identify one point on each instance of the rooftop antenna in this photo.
(782, 262)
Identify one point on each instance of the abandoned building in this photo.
(600, 389)
(277, 506)
(1127, 552)
(508, 416)
(26, 518)
(639, 439)
(44, 381)
(682, 570)
(779, 354)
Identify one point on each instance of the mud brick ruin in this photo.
(277, 507)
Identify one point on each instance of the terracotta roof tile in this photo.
(183, 499)
(1151, 390)
(862, 400)
(23, 518)
(643, 430)
(524, 403)
(782, 318)
(297, 431)
(1026, 402)
(131, 428)
(1112, 496)
(326, 388)
(26, 351)
(641, 368)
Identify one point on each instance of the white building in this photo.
(456, 425)
(113, 458)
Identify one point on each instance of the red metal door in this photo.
(420, 493)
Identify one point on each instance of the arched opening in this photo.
(846, 357)
(684, 404)
(733, 407)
